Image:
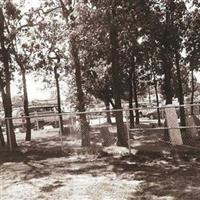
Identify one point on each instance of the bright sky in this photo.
(35, 89)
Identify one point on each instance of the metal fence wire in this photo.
(173, 125)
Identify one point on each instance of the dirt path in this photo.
(75, 177)
(87, 177)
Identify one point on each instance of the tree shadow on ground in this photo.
(18, 156)
(51, 188)
(163, 177)
(174, 174)
(63, 166)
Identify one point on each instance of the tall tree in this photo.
(22, 47)
(51, 55)
(177, 13)
(69, 10)
(5, 74)
(21, 62)
(192, 46)
(121, 134)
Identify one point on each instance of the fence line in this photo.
(105, 111)
(183, 145)
(164, 128)
(125, 111)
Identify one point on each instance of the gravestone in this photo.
(108, 137)
(191, 131)
(66, 130)
(172, 122)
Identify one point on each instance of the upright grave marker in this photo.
(108, 138)
(191, 131)
(172, 122)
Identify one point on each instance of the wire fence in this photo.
(143, 126)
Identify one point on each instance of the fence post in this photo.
(9, 134)
(71, 121)
(128, 131)
(60, 131)
(99, 116)
(36, 121)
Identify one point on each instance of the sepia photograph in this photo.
(99, 99)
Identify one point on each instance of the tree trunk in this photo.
(25, 95)
(167, 81)
(26, 111)
(56, 76)
(157, 99)
(137, 115)
(167, 56)
(11, 140)
(130, 80)
(180, 90)
(8, 112)
(6, 94)
(192, 92)
(80, 97)
(121, 133)
(167, 66)
(186, 137)
(2, 141)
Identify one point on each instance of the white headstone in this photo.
(172, 122)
